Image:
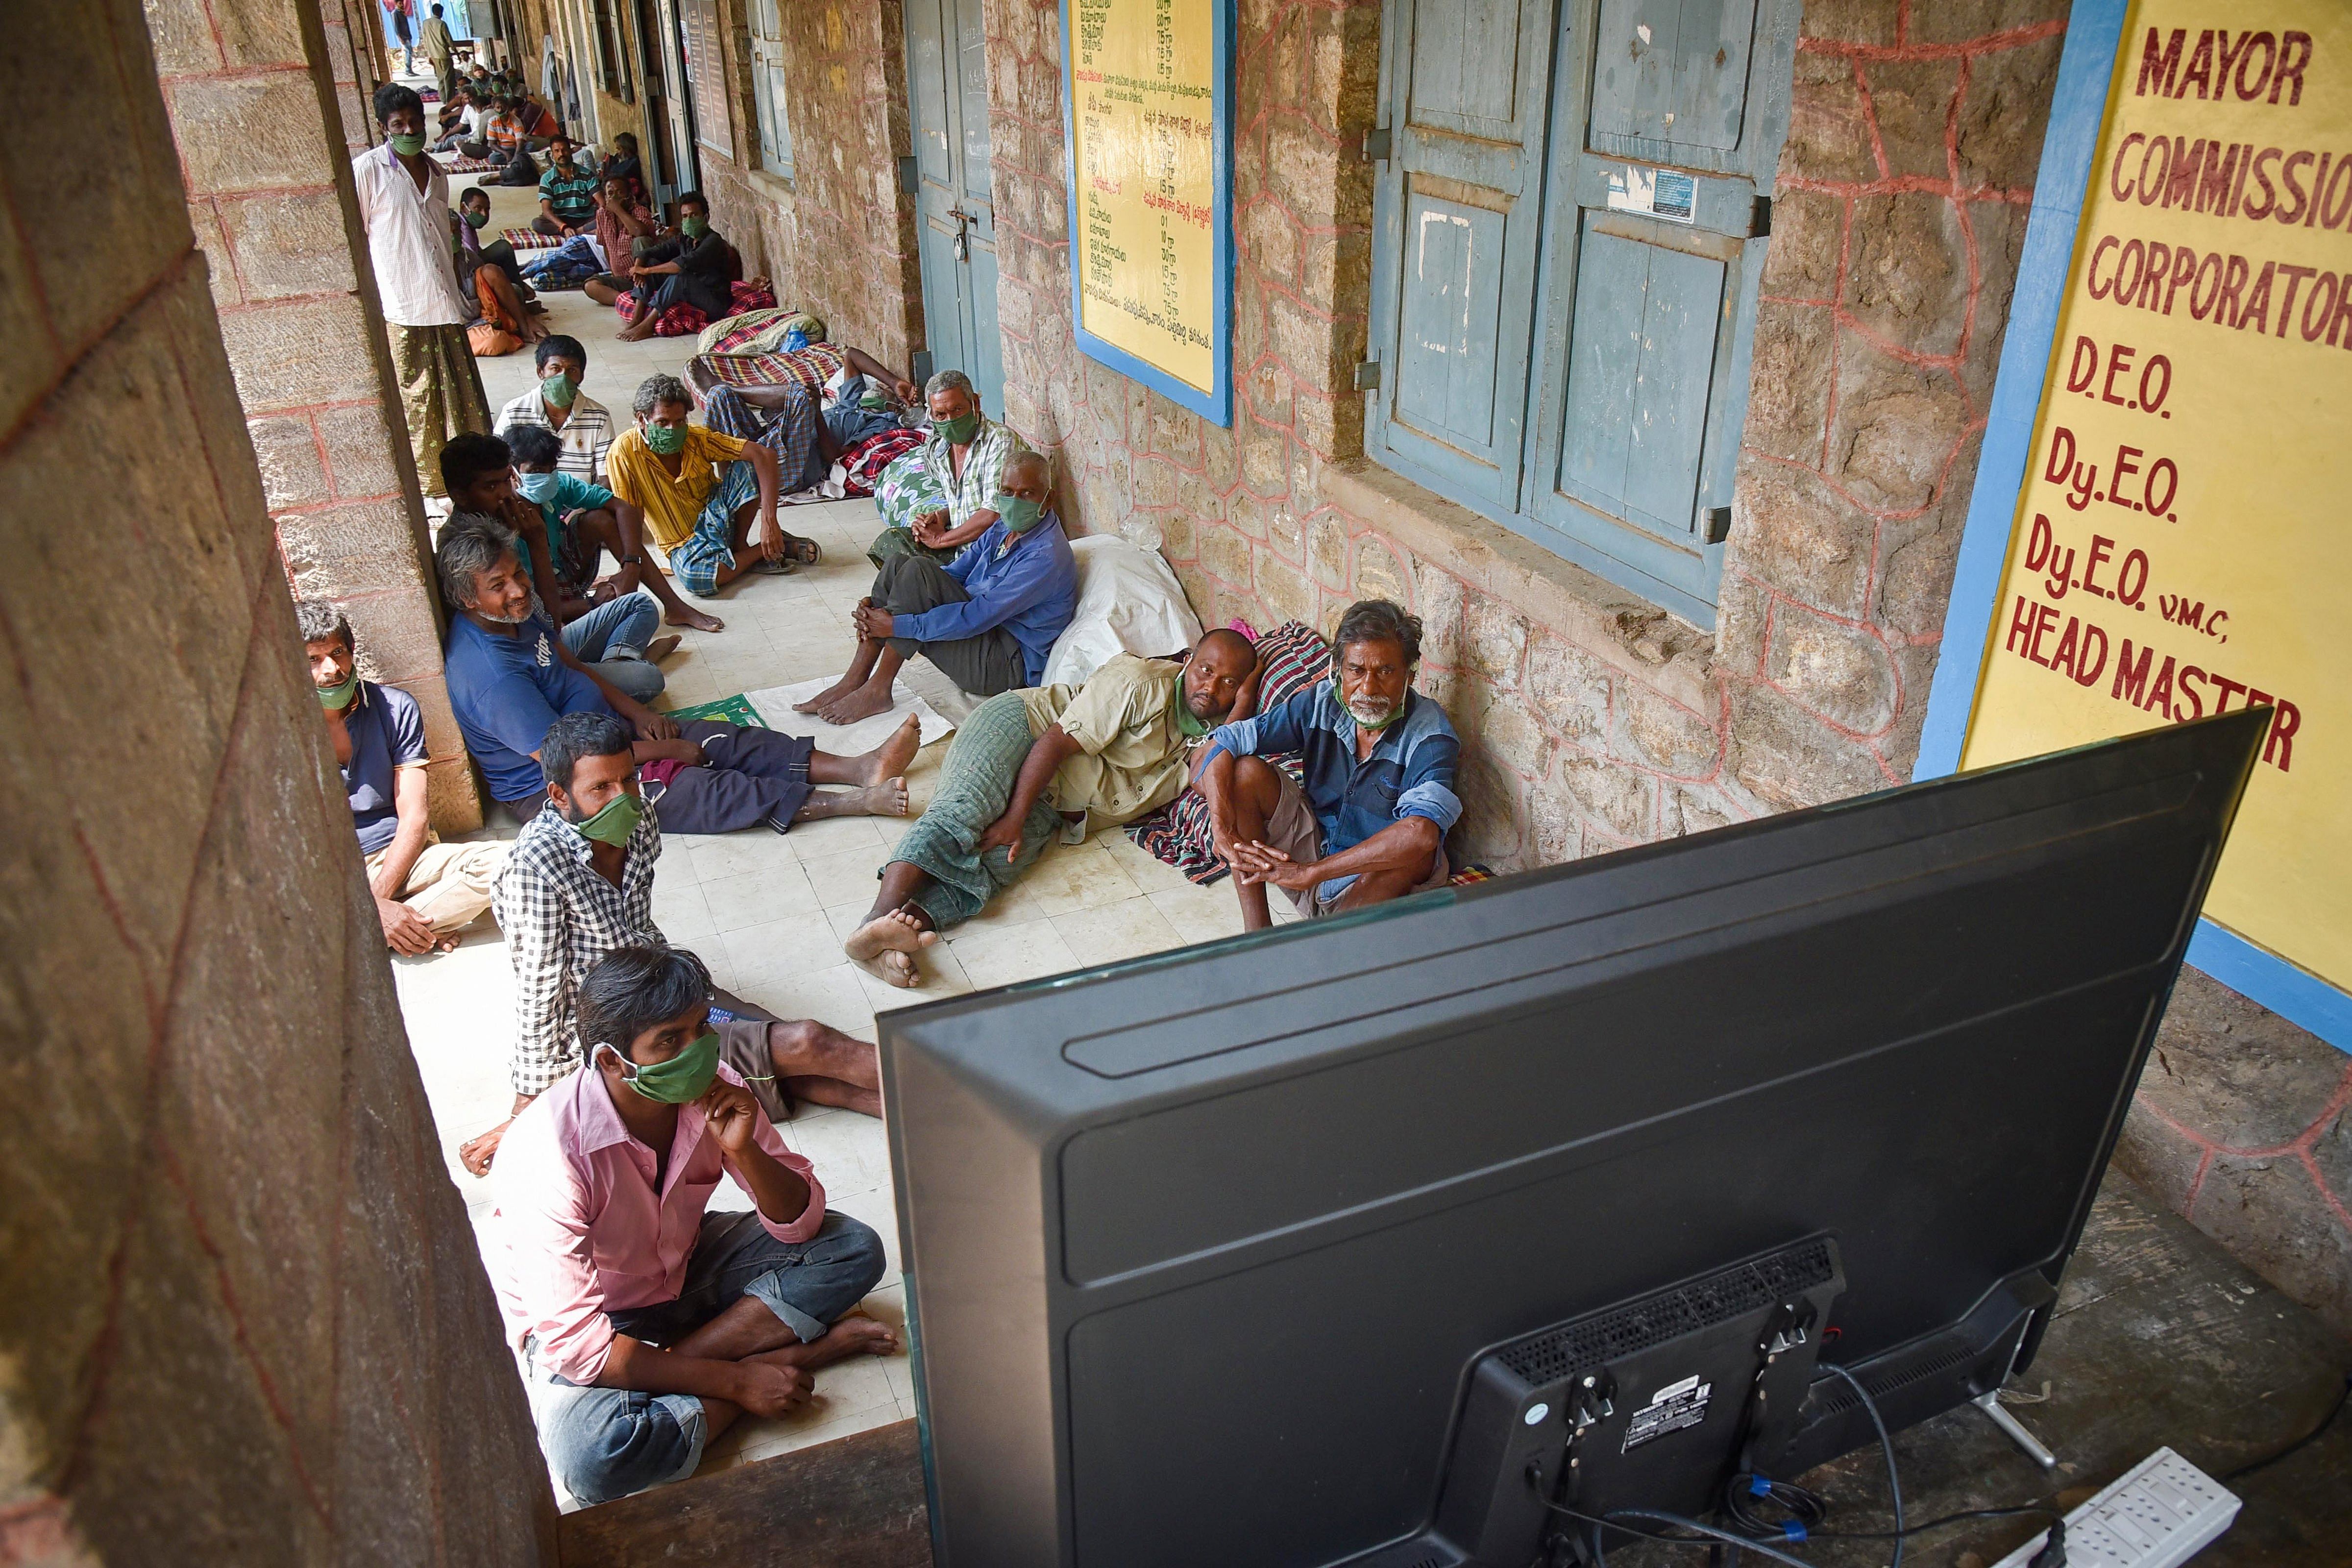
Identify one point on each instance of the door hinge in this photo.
(1759, 222)
(1378, 145)
(1718, 524)
(908, 176)
(1368, 376)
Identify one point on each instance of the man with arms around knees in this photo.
(579, 884)
(556, 403)
(965, 456)
(648, 1323)
(404, 201)
(584, 520)
(603, 624)
(694, 268)
(988, 619)
(1370, 822)
(1105, 753)
(699, 490)
(425, 891)
(510, 679)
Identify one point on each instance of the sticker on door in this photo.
(1659, 193)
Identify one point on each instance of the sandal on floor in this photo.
(806, 551)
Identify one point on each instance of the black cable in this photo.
(1804, 1508)
(2300, 1442)
(1710, 1535)
(1885, 1447)
(2019, 1512)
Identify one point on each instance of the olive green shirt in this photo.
(1131, 754)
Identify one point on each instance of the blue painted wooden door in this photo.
(1653, 258)
(955, 215)
(1458, 221)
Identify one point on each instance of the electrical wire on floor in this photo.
(2306, 1440)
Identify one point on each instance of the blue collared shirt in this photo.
(1025, 583)
(507, 692)
(1409, 774)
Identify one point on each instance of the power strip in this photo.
(2162, 1513)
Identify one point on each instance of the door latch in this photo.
(963, 233)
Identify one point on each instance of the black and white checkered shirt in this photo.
(560, 917)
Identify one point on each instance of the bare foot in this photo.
(662, 648)
(854, 1335)
(886, 946)
(863, 703)
(888, 798)
(829, 696)
(694, 620)
(889, 759)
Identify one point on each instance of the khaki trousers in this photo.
(450, 884)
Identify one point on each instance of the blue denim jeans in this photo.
(613, 637)
(606, 1442)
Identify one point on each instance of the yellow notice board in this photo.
(1150, 216)
(2178, 548)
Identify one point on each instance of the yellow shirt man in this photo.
(670, 505)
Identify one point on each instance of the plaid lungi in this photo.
(975, 784)
(696, 560)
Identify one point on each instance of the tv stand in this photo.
(2014, 1430)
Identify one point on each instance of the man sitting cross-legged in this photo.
(648, 1323)
(1371, 824)
(699, 488)
(603, 624)
(511, 678)
(988, 618)
(1106, 751)
(579, 884)
(425, 891)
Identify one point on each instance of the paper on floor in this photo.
(776, 705)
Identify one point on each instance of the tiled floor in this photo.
(768, 913)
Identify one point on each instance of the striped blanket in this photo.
(529, 238)
(812, 367)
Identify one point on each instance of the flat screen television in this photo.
(1227, 1256)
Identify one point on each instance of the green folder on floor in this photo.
(735, 710)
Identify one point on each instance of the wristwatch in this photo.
(633, 560)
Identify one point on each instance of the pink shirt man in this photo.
(584, 1230)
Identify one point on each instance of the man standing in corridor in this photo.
(403, 199)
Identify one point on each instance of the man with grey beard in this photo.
(1378, 759)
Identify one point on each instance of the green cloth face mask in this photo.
(667, 440)
(694, 227)
(559, 391)
(958, 431)
(473, 219)
(1188, 724)
(1395, 714)
(332, 698)
(614, 825)
(1020, 514)
(408, 146)
(681, 1081)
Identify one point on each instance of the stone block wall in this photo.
(246, 1324)
(268, 99)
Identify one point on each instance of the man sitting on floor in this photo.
(697, 488)
(579, 884)
(584, 426)
(582, 521)
(425, 891)
(965, 456)
(1105, 753)
(604, 625)
(646, 1322)
(511, 678)
(567, 192)
(694, 269)
(1371, 824)
(625, 226)
(988, 618)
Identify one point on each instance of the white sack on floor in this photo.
(1129, 602)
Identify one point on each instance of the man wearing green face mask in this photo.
(988, 619)
(403, 203)
(964, 458)
(649, 1324)
(693, 269)
(556, 402)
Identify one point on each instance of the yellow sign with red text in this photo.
(2176, 546)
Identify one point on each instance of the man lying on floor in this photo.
(1370, 822)
(511, 678)
(701, 487)
(579, 884)
(988, 619)
(648, 1323)
(1106, 751)
(425, 891)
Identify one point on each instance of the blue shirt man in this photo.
(505, 692)
(1367, 819)
(1027, 583)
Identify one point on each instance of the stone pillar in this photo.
(267, 103)
(246, 1323)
